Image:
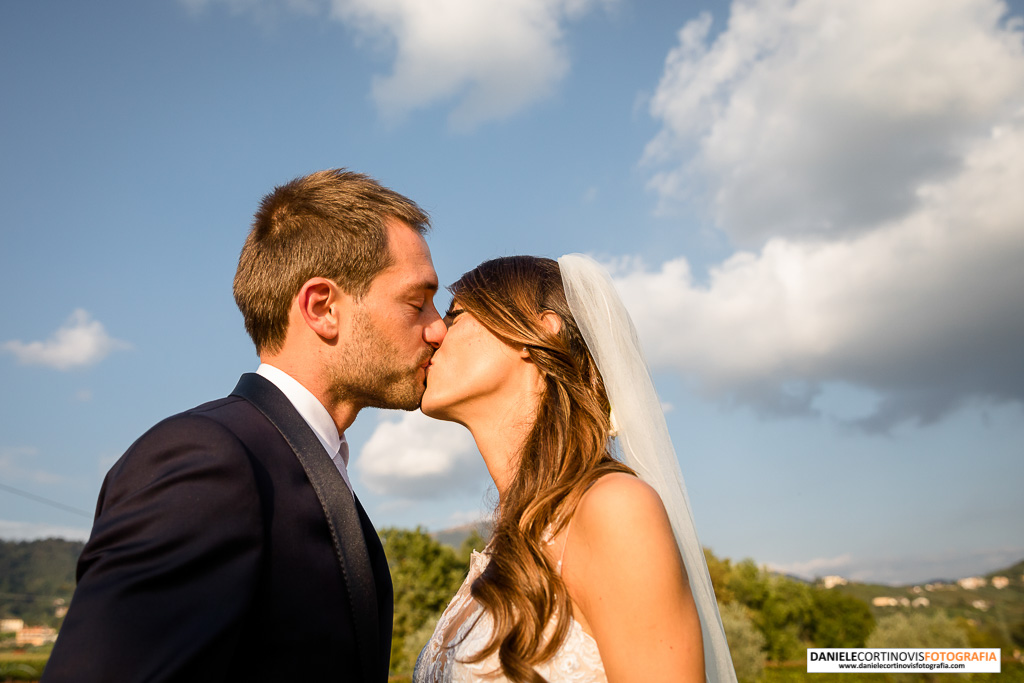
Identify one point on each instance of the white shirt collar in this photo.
(311, 410)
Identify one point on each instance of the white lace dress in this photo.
(464, 629)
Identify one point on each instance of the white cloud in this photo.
(417, 457)
(492, 57)
(872, 153)
(30, 531)
(81, 341)
(488, 58)
(808, 117)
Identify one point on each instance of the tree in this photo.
(720, 572)
(780, 607)
(749, 584)
(1017, 633)
(425, 575)
(989, 635)
(783, 617)
(472, 542)
(746, 643)
(839, 620)
(918, 630)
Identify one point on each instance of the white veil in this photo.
(642, 432)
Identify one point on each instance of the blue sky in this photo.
(812, 208)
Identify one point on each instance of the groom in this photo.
(228, 544)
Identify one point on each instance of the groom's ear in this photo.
(323, 306)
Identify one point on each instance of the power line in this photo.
(46, 501)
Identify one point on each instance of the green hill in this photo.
(995, 608)
(36, 577)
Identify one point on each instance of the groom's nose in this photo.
(434, 333)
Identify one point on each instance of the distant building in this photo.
(36, 635)
(885, 601)
(983, 605)
(921, 602)
(972, 583)
(833, 581)
(1000, 582)
(11, 625)
(939, 586)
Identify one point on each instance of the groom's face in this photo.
(394, 331)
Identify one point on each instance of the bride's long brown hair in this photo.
(565, 452)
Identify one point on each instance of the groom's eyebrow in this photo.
(429, 286)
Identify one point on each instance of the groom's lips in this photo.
(426, 366)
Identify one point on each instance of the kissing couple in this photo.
(229, 543)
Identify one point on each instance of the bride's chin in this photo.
(430, 406)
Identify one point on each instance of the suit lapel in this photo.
(385, 589)
(343, 517)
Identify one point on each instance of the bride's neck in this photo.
(500, 436)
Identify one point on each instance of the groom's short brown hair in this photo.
(328, 224)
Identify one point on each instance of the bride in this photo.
(594, 572)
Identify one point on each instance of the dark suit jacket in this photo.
(212, 559)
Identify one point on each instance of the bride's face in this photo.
(472, 370)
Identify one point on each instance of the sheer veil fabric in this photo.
(642, 432)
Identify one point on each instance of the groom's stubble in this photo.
(371, 372)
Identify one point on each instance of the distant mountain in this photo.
(37, 577)
(1016, 570)
(456, 535)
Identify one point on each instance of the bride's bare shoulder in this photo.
(621, 541)
(620, 507)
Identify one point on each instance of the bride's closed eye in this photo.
(451, 315)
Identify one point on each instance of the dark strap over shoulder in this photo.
(339, 508)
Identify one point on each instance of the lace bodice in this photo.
(464, 629)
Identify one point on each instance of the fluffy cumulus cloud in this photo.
(79, 342)
(416, 457)
(491, 57)
(825, 117)
(866, 157)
